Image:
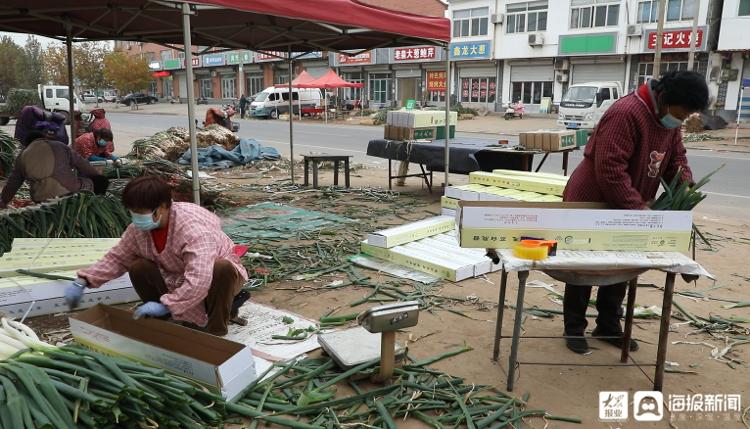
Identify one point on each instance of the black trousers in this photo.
(608, 305)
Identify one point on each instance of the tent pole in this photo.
(71, 92)
(291, 114)
(187, 45)
(447, 113)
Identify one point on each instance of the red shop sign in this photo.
(675, 39)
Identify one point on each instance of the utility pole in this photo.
(659, 39)
(693, 34)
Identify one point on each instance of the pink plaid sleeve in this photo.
(199, 255)
(115, 263)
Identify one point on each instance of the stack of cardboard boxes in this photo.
(549, 140)
(418, 125)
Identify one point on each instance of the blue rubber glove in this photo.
(97, 158)
(151, 309)
(74, 292)
(114, 157)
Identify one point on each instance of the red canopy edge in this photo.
(330, 80)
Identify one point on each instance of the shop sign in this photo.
(210, 60)
(591, 44)
(470, 50)
(266, 56)
(478, 88)
(173, 64)
(154, 65)
(416, 53)
(436, 81)
(196, 61)
(237, 57)
(676, 39)
(362, 58)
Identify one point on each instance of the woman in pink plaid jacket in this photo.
(179, 260)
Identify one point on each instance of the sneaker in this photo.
(239, 299)
(577, 344)
(617, 342)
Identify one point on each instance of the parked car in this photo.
(138, 98)
(90, 97)
(110, 97)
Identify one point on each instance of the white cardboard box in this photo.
(406, 233)
(224, 366)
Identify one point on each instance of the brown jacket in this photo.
(52, 168)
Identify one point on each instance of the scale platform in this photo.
(351, 347)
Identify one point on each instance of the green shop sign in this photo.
(173, 64)
(588, 44)
(237, 57)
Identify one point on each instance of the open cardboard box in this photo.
(224, 366)
(575, 226)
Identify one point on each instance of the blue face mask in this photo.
(145, 222)
(670, 121)
(102, 142)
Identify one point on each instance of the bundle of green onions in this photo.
(8, 152)
(679, 195)
(80, 215)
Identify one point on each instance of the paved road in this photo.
(729, 190)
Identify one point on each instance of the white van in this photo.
(55, 99)
(585, 103)
(272, 101)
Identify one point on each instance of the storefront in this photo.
(253, 79)
(380, 88)
(530, 82)
(477, 77)
(409, 64)
(351, 69)
(597, 70)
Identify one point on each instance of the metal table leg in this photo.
(307, 170)
(666, 314)
(544, 158)
(390, 178)
(500, 313)
(315, 174)
(335, 173)
(347, 184)
(522, 277)
(632, 286)
(565, 162)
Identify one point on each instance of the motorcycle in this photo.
(515, 110)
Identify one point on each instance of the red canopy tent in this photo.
(302, 79)
(277, 26)
(330, 80)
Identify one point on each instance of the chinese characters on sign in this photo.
(363, 58)
(470, 50)
(213, 60)
(269, 56)
(478, 88)
(414, 53)
(436, 81)
(675, 39)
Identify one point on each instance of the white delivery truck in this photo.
(272, 101)
(584, 104)
(53, 97)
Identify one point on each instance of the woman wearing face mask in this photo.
(637, 142)
(179, 260)
(96, 146)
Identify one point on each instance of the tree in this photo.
(33, 64)
(88, 64)
(55, 62)
(11, 64)
(126, 73)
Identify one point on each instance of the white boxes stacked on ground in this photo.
(27, 295)
(430, 245)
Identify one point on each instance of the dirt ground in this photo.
(561, 390)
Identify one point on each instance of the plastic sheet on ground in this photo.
(275, 221)
(217, 157)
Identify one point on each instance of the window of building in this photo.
(594, 13)
(254, 84)
(380, 88)
(353, 93)
(646, 70)
(677, 10)
(166, 54)
(207, 88)
(523, 17)
(437, 96)
(531, 92)
(478, 90)
(744, 8)
(228, 87)
(280, 76)
(471, 22)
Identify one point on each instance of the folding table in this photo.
(599, 269)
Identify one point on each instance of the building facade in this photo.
(733, 60)
(537, 48)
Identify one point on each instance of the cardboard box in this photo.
(449, 203)
(406, 233)
(575, 226)
(19, 292)
(444, 268)
(537, 174)
(223, 366)
(540, 185)
(448, 212)
(555, 141)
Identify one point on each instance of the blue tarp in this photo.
(217, 157)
